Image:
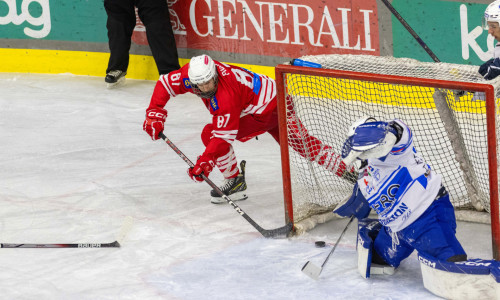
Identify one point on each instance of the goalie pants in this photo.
(156, 18)
(433, 233)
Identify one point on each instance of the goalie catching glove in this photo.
(203, 166)
(154, 123)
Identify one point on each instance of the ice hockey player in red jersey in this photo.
(243, 105)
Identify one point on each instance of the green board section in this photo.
(444, 26)
(64, 20)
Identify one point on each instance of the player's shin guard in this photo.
(227, 164)
(368, 261)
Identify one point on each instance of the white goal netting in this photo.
(449, 124)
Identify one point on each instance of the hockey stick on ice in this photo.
(311, 269)
(127, 225)
(114, 244)
(281, 232)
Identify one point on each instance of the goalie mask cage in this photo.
(450, 108)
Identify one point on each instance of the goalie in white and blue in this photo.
(413, 206)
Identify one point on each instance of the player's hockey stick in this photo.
(416, 37)
(410, 30)
(281, 232)
(114, 244)
(311, 269)
(127, 225)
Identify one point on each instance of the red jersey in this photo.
(239, 93)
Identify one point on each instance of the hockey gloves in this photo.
(490, 69)
(356, 205)
(154, 123)
(204, 166)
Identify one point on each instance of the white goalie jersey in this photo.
(401, 185)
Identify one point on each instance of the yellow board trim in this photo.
(87, 63)
(143, 67)
(317, 87)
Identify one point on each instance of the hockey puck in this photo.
(320, 244)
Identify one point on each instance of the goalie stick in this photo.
(314, 271)
(114, 244)
(281, 232)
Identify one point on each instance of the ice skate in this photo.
(235, 188)
(115, 78)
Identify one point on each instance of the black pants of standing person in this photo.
(155, 17)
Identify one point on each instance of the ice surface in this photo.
(75, 165)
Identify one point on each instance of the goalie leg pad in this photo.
(471, 279)
(391, 247)
(367, 231)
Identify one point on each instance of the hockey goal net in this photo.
(450, 108)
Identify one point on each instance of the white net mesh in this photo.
(449, 126)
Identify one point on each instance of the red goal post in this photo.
(459, 137)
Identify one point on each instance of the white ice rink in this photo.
(75, 165)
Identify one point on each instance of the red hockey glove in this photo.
(204, 166)
(154, 123)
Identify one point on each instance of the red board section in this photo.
(289, 28)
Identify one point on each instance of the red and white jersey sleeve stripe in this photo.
(227, 135)
(167, 85)
(266, 95)
(170, 85)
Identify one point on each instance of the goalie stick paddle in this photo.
(281, 232)
(114, 244)
(314, 271)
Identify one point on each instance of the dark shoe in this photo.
(114, 76)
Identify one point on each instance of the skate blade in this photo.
(116, 84)
(239, 196)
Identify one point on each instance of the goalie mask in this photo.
(362, 120)
(372, 139)
(203, 76)
(491, 14)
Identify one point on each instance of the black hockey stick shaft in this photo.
(314, 271)
(114, 244)
(281, 232)
(338, 241)
(410, 30)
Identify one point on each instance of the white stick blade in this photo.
(311, 270)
